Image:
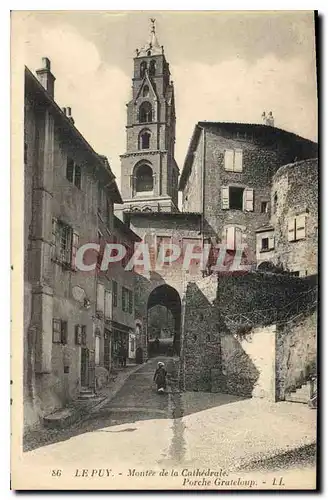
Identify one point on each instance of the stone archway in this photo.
(167, 296)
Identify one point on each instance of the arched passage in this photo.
(169, 325)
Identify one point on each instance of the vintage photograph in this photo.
(165, 214)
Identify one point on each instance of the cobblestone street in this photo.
(140, 428)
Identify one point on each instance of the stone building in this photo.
(149, 170)
(228, 173)
(69, 193)
(291, 239)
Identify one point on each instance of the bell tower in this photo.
(149, 170)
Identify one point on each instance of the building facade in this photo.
(69, 193)
(228, 174)
(291, 239)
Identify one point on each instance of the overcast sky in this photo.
(225, 67)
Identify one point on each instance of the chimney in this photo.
(45, 77)
(69, 115)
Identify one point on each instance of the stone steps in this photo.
(300, 395)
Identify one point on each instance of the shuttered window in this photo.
(228, 160)
(233, 237)
(75, 246)
(238, 161)
(233, 160)
(271, 241)
(296, 228)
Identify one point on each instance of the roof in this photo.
(266, 133)
(124, 228)
(264, 228)
(184, 215)
(33, 88)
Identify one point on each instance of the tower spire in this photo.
(152, 47)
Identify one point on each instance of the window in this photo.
(130, 298)
(100, 297)
(237, 198)
(152, 68)
(73, 173)
(296, 228)
(144, 140)
(264, 207)
(59, 331)
(144, 179)
(64, 250)
(143, 67)
(108, 304)
(145, 91)
(80, 334)
(115, 293)
(265, 244)
(145, 112)
(233, 160)
(233, 237)
(125, 299)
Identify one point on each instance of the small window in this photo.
(144, 141)
(264, 207)
(115, 293)
(143, 67)
(73, 173)
(152, 67)
(265, 244)
(236, 196)
(63, 242)
(145, 91)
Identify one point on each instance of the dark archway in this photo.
(167, 296)
(145, 112)
(144, 181)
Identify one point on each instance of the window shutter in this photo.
(249, 200)
(291, 229)
(230, 238)
(75, 246)
(271, 241)
(225, 197)
(100, 298)
(123, 299)
(64, 332)
(54, 238)
(228, 159)
(238, 237)
(300, 227)
(56, 330)
(238, 164)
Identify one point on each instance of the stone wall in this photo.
(296, 186)
(201, 335)
(296, 352)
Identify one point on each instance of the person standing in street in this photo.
(160, 377)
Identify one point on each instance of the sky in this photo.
(226, 66)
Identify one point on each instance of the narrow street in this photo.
(140, 429)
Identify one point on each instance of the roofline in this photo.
(100, 159)
(120, 225)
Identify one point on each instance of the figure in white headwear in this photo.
(160, 377)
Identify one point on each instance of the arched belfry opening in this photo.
(164, 321)
(143, 179)
(145, 112)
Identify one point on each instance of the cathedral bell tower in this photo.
(149, 170)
